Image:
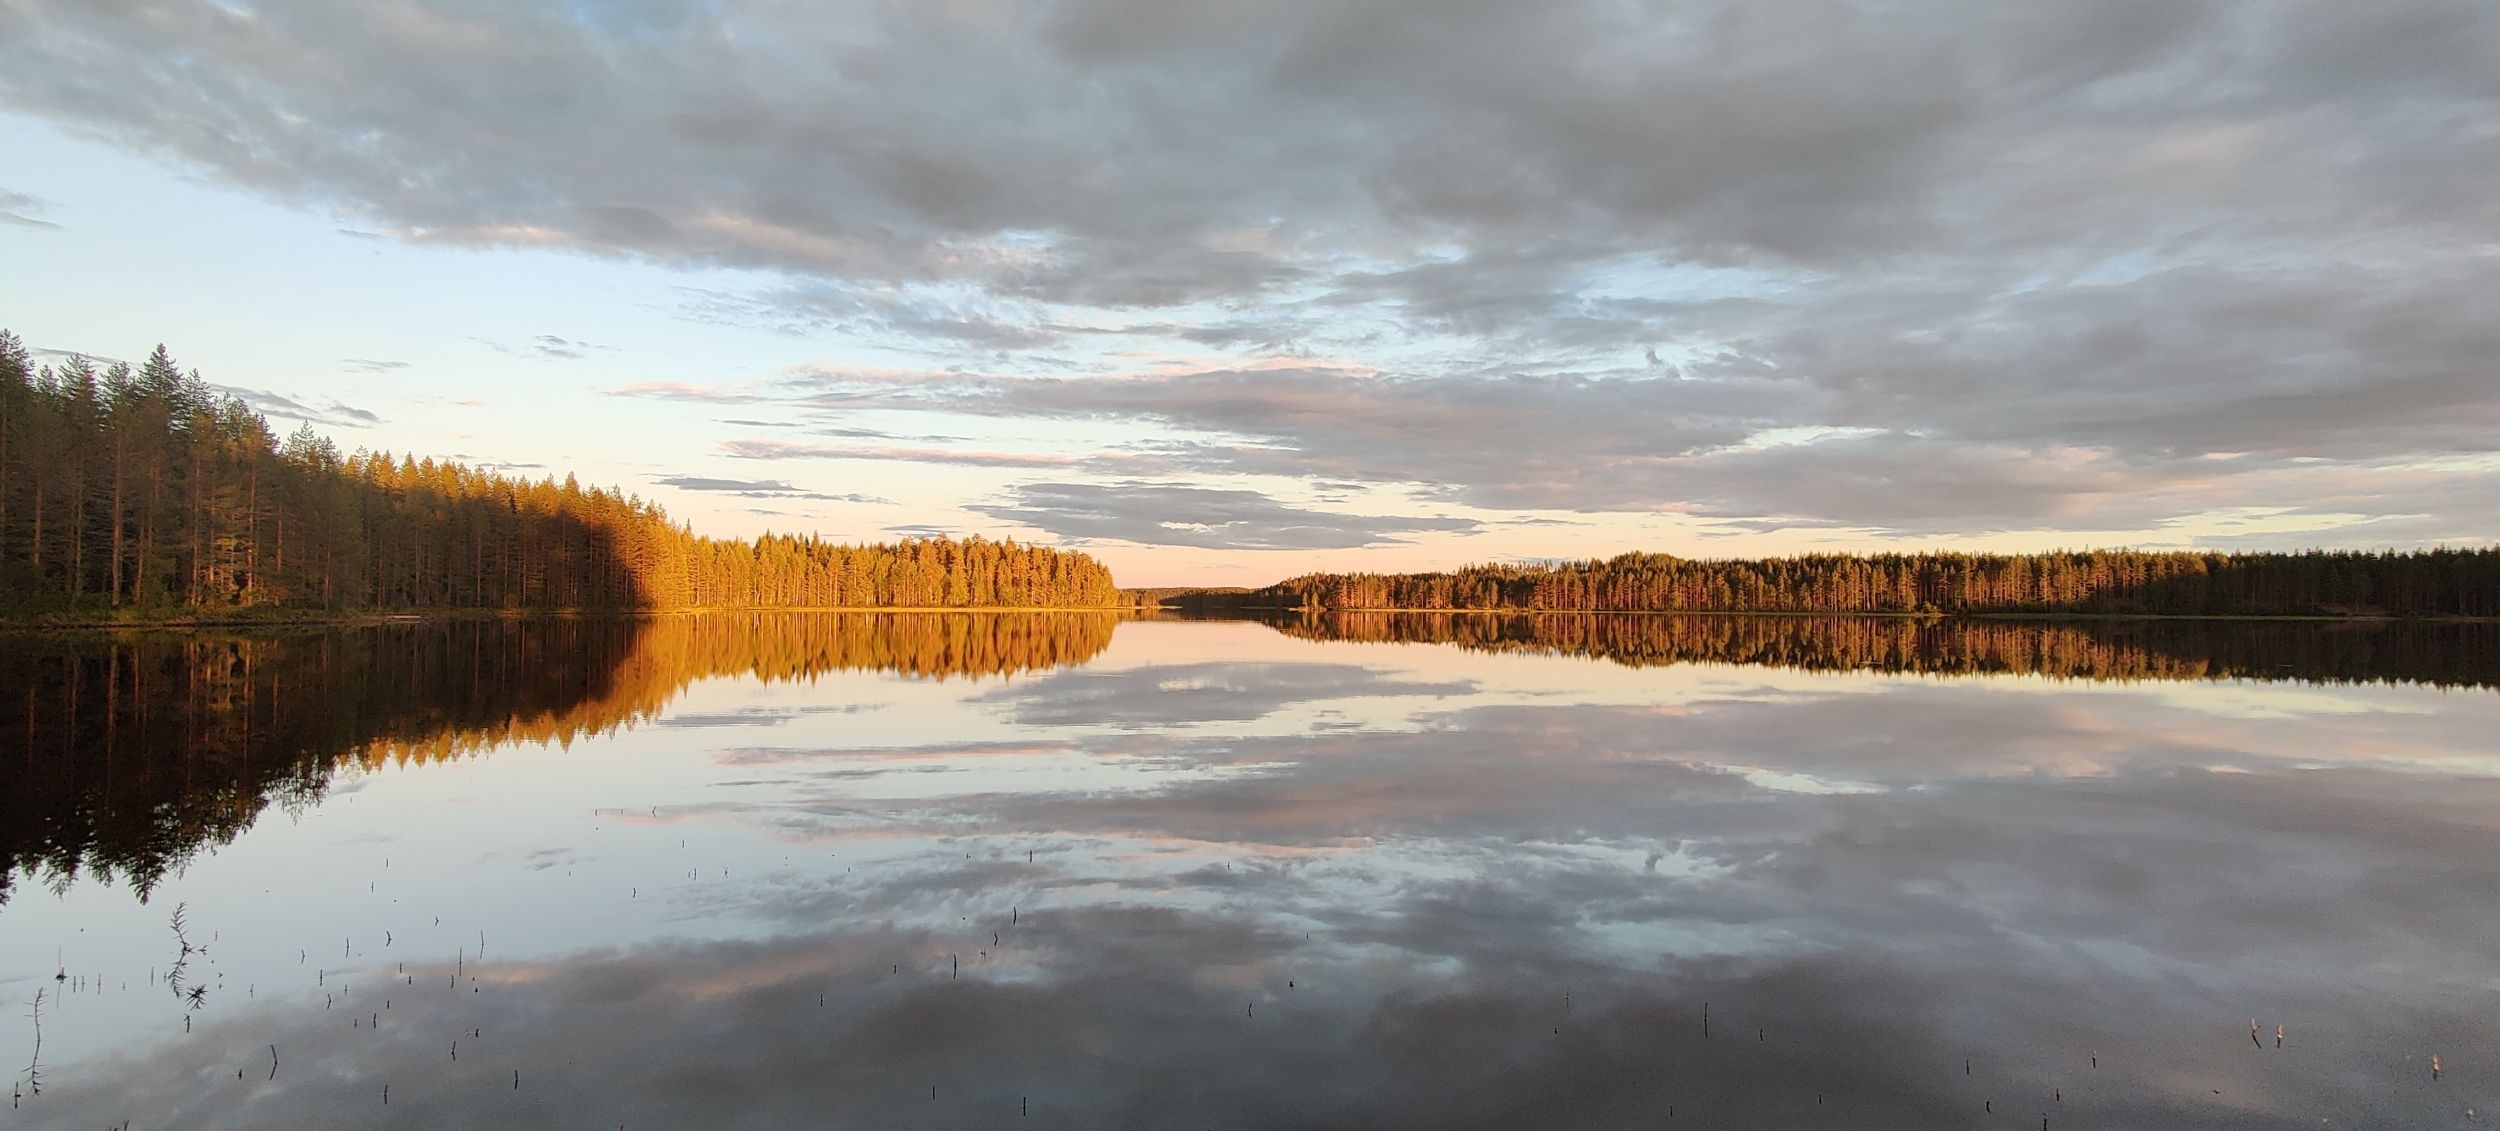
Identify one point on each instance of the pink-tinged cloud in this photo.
(791, 449)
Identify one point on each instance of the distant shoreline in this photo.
(182, 623)
(1244, 611)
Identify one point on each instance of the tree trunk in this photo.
(120, 458)
(251, 535)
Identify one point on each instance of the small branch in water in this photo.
(34, 1063)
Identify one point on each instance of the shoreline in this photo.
(1260, 613)
(188, 622)
(1245, 612)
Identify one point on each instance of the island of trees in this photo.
(2428, 583)
(145, 490)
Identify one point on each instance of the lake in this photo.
(1076, 870)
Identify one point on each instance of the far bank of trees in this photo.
(144, 488)
(2452, 583)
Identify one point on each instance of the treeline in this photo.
(2427, 583)
(2438, 653)
(144, 488)
(123, 756)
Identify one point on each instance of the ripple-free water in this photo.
(959, 870)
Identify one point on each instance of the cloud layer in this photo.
(2132, 266)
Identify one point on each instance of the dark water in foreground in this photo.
(1070, 871)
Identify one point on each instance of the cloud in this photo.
(546, 347)
(72, 355)
(760, 489)
(20, 209)
(956, 143)
(928, 318)
(1178, 514)
(684, 391)
(1771, 440)
(369, 365)
(1571, 255)
(787, 449)
(280, 406)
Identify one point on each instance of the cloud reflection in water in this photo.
(1319, 884)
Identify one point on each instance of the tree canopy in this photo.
(146, 488)
(2443, 582)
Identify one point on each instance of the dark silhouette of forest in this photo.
(2427, 583)
(145, 489)
(2439, 653)
(124, 755)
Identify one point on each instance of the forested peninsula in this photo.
(144, 493)
(2427, 583)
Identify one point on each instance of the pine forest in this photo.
(146, 489)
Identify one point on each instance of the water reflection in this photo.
(137, 749)
(2444, 653)
(1221, 876)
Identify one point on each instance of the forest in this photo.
(2425, 583)
(144, 489)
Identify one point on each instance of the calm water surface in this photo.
(1071, 871)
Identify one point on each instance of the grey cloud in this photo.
(1033, 153)
(72, 355)
(2096, 453)
(544, 346)
(369, 365)
(1595, 247)
(784, 450)
(818, 309)
(760, 489)
(22, 210)
(1177, 514)
(281, 406)
(682, 391)
(1528, 436)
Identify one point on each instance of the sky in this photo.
(1226, 292)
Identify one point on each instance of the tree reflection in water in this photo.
(1216, 875)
